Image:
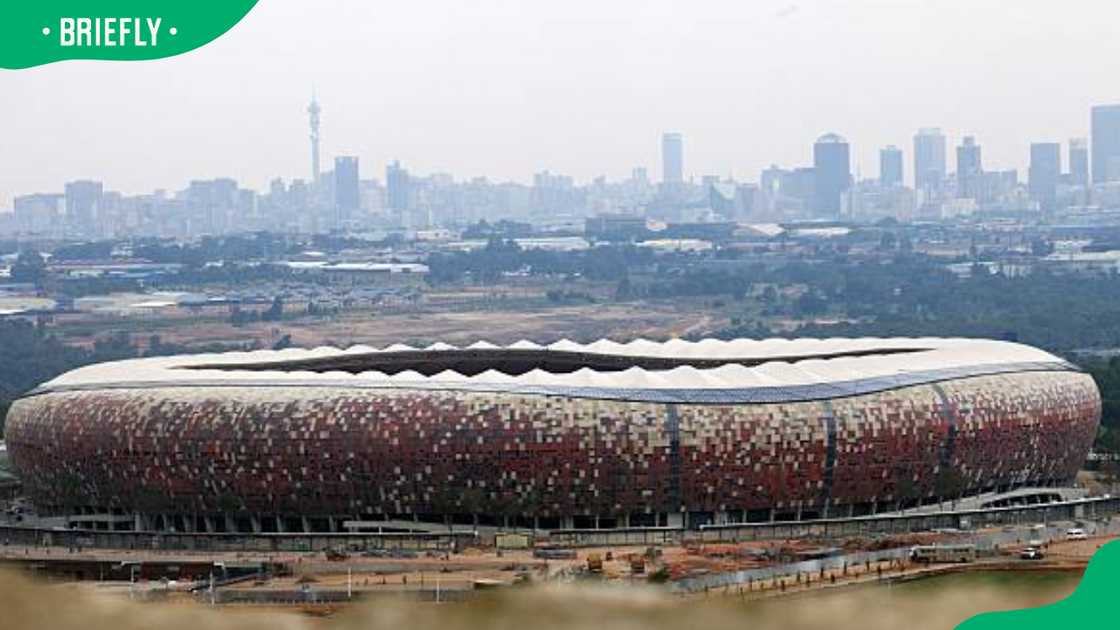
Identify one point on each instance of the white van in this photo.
(1076, 533)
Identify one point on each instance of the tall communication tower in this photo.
(313, 112)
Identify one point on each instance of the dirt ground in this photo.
(584, 323)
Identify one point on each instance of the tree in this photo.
(30, 267)
(810, 304)
(1041, 247)
(624, 290)
(274, 312)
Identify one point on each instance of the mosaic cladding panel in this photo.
(316, 451)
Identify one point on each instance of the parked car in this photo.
(1076, 533)
(1031, 553)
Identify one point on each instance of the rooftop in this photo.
(788, 369)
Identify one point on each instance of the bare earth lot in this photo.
(585, 322)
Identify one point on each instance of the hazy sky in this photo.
(505, 88)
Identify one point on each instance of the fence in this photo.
(1088, 508)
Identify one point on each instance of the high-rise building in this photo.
(832, 172)
(211, 206)
(1106, 144)
(1045, 171)
(1079, 161)
(39, 213)
(83, 199)
(398, 187)
(347, 197)
(969, 169)
(313, 113)
(672, 158)
(929, 160)
(890, 166)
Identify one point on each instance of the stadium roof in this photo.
(743, 369)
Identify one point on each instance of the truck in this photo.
(929, 554)
(594, 563)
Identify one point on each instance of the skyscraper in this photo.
(672, 158)
(83, 201)
(969, 169)
(832, 172)
(1045, 171)
(39, 213)
(211, 205)
(1106, 144)
(313, 113)
(347, 198)
(890, 166)
(397, 183)
(929, 160)
(1079, 161)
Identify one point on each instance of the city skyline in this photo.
(672, 159)
(737, 81)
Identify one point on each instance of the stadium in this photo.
(565, 436)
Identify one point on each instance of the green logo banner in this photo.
(36, 32)
(1092, 605)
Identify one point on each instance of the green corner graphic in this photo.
(37, 32)
(1092, 605)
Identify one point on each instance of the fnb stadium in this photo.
(566, 436)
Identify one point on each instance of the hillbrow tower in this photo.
(313, 113)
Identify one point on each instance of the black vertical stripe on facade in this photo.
(949, 413)
(673, 429)
(829, 417)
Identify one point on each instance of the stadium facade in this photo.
(564, 436)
